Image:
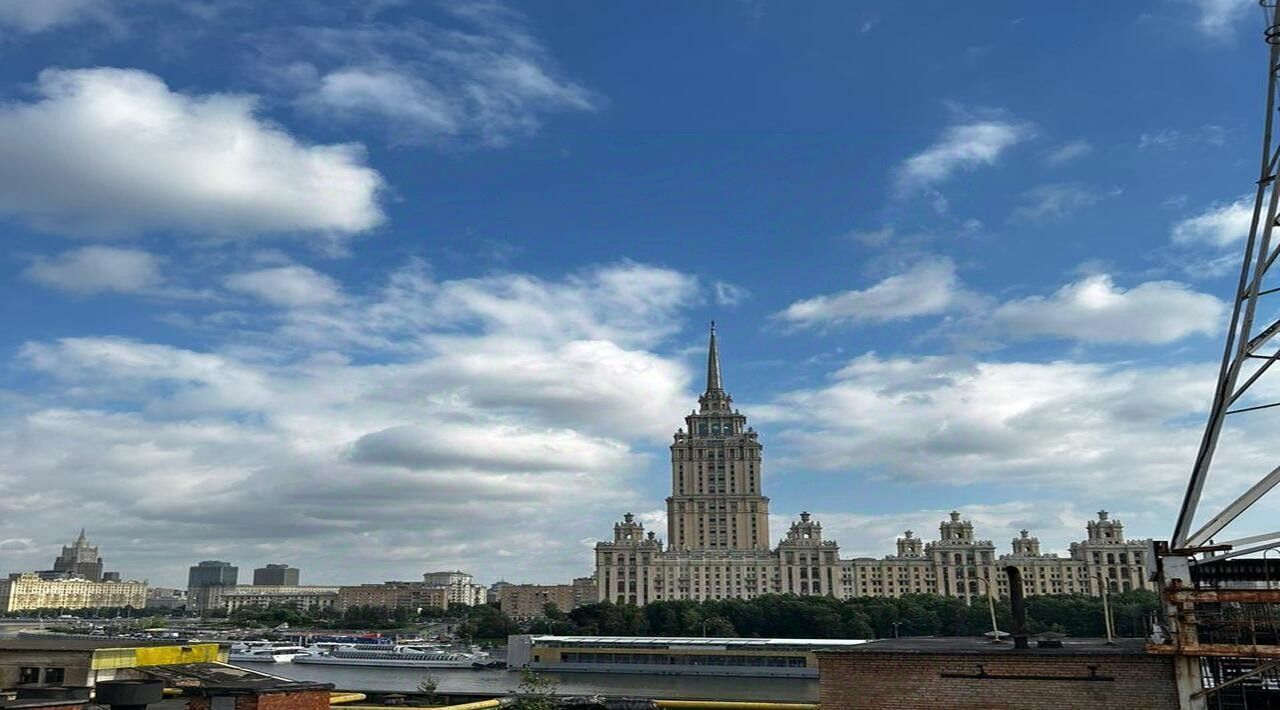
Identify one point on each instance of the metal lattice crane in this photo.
(1220, 605)
(1247, 357)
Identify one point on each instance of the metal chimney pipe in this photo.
(1019, 607)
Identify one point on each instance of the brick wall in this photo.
(297, 700)
(897, 681)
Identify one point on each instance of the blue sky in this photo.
(375, 288)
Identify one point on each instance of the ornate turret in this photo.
(806, 531)
(1104, 529)
(909, 545)
(1026, 546)
(955, 529)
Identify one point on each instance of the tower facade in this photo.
(717, 521)
(716, 501)
(80, 559)
(718, 544)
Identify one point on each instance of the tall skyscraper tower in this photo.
(715, 501)
(80, 559)
(276, 576)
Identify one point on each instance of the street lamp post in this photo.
(1106, 610)
(991, 606)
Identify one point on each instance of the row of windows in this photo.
(715, 454)
(656, 659)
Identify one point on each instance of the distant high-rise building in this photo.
(80, 559)
(462, 587)
(205, 578)
(212, 573)
(276, 576)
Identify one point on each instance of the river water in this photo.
(500, 682)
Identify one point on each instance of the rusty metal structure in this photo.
(1221, 592)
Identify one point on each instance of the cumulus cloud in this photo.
(388, 420)
(41, 15)
(1220, 225)
(480, 77)
(929, 287)
(201, 163)
(1095, 310)
(956, 421)
(97, 269)
(289, 286)
(962, 148)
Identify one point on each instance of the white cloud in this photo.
(1220, 225)
(289, 286)
(41, 15)
(97, 269)
(962, 148)
(387, 421)
(1216, 18)
(1095, 310)
(1054, 201)
(955, 421)
(1068, 152)
(167, 160)
(927, 288)
(728, 294)
(481, 78)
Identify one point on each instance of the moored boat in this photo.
(402, 656)
(260, 652)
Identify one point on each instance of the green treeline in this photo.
(787, 616)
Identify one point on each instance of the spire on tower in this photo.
(713, 364)
(80, 540)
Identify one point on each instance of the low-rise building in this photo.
(491, 596)
(68, 661)
(897, 674)
(585, 591)
(394, 595)
(166, 598)
(24, 591)
(249, 596)
(529, 601)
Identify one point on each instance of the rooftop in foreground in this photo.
(694, 641)
(61, 643)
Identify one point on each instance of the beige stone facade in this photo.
(26, 590)
(718, 525)
(248, 596)
(394, 595)
(527, 601)
(957, 564)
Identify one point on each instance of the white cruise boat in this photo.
(402, 656)
(260, 652)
